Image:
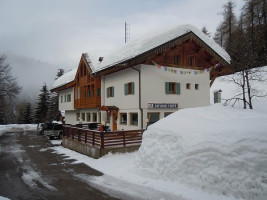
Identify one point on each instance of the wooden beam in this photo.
(213, 79)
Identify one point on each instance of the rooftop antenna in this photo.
(127, 32)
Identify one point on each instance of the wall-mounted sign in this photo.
(162, 105)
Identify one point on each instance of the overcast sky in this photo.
(59, 31)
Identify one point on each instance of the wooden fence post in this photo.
(102, 140)
(93, 139)
(85, 137)
(124, 139)
(79, 134)
(72, 133)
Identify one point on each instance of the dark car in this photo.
(56, 132)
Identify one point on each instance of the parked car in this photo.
(47, 128)
(56, 132)
(40, 127)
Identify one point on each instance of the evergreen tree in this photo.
(43, 101)
(28, 114)
(53, 112)
(205, 30)
(60, 72)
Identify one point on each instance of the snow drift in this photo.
(216, 148)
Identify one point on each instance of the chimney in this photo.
(100, 59)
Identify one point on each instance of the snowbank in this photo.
(16, 127)
(216, 148)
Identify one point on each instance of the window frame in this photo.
(78, 115)
(172, 88)
(188, 86)
(129, 88)
(131, 119)
(191, 61)
(94, 117)
(122, 122)
(110, 92)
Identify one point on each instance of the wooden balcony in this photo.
(89, 102)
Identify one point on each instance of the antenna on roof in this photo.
(127, 32)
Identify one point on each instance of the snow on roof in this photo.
(143, 45)
(65, 78)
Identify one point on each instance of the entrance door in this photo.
(115, 117)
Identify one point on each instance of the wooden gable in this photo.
(187, 51)
(87, 88)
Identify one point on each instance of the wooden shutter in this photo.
(125, 89)
(107, 92)
(132, 87)
(178, 89)
(167, 89)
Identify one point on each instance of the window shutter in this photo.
(125, 89)
(132, 87)
(112, 91)
(107, 92)
(167, 89)
(178, 89)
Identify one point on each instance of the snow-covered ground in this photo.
(16, 127)
(212, 152)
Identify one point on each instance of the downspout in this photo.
(139, 73)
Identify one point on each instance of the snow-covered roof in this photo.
(65, 78)
(143, 45)
(139, 47)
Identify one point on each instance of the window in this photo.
(188, 86)
(123, 117)
(65, 98)
(61, 99)
(167, 113)
(98, 92)
(191, 61)
(69, 98)
(129, 88)
(77, 116)
(89, 91)
(83, 116)
(92, 91)
(110, 92)
(88, 117)
(177, 59)
(196, 86)
(172, 88)
(134, 119)
(94, 117)
(152, 118)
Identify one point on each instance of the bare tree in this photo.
(8, 90)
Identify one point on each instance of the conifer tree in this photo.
(28, 114)
(53, 112)
(43, 101)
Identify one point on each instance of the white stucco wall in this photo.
(117, 80)
(153, 87)
(66, 105)
(153, 91)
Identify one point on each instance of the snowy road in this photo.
(29, 170)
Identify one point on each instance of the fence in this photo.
(104, 140)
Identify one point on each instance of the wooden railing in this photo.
(89, 102)
(103, 140)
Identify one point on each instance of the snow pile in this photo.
(16, 127)
(216, 148)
